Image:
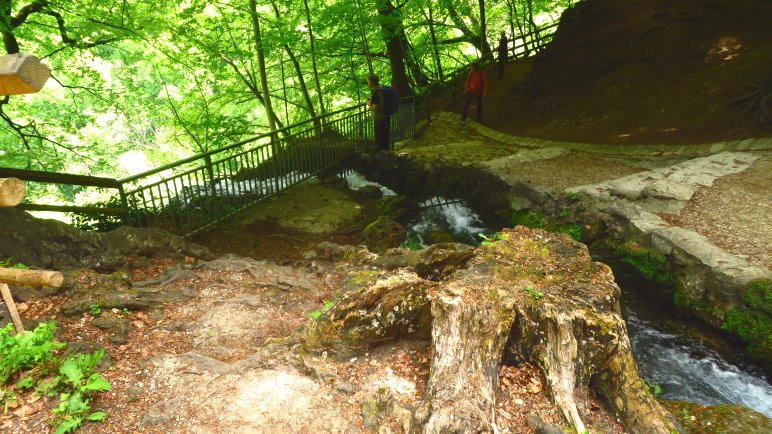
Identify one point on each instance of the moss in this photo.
(530, 219)
(758, 295)
(753, 321)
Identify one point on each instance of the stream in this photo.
(686, 360)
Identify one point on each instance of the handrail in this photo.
(219, 187)
(193, 158)
(59, 178)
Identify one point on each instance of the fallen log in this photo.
(532, 297)
(12, 191)
(24, 277)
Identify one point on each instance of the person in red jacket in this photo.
(476, 87)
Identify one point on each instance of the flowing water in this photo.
(671, 352)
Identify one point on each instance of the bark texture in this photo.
(529, 297)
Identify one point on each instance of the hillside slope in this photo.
(632, 71)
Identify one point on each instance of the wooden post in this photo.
(11, 191)
(11, 306)
(22, 73)
(18, 276)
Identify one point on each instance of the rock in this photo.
(722, 418)
(541, 427)
(118, 328)
(52, 244)
(160, 413)
(383, 233)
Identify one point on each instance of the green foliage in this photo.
(26, 351)
(98, 222)
(530, 219)
(34, 355)
(489, 241)
(655, 390)
(80, 382)
(8, 263)
(317, 313)
(95, 309)
(647, 261)
(413, 242)
(533, 293)
(753, 322)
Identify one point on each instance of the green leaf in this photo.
(71, 371)
(97, 416)
(96, 383)
(69, 425)
(25, 383)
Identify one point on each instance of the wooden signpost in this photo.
(22, 73)
(11, 193)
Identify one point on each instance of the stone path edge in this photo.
(760, 144)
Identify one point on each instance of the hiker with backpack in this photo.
(476, 87)
(383, 102)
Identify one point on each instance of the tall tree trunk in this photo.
(511, 14)
(435, 49)
(313, 57)
(469, 34)
(363, 35)
(298, 72)
(391, 24)
(533, 26)
(483, 30)
(261, 65)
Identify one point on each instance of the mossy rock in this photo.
(722, 418)
(384, 233)
(753, 321)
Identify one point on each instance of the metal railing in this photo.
(192, 194)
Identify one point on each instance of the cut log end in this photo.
(12, 191)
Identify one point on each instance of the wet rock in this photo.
(383, 233)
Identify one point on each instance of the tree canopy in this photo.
(136, 84)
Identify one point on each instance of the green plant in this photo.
(95, 309)
(413, 242)
(80, 382)
(564, 212)
(8, 263)
(533, 293)
(33, 356)
(125, 311)
(7, 398)
(685, 415)
(655, 390)
(26, 351)
(752, 322)
(571, 195)
(317, 313)
(489, 241)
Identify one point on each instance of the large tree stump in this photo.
(534, 297)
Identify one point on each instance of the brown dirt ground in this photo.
(627, 71)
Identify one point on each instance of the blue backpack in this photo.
(392, 100)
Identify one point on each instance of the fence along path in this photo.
(195, 193)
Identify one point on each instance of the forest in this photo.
(137, 84)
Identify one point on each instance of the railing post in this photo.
(125, 204)
(210, 174)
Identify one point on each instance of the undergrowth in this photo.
(32, 360)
